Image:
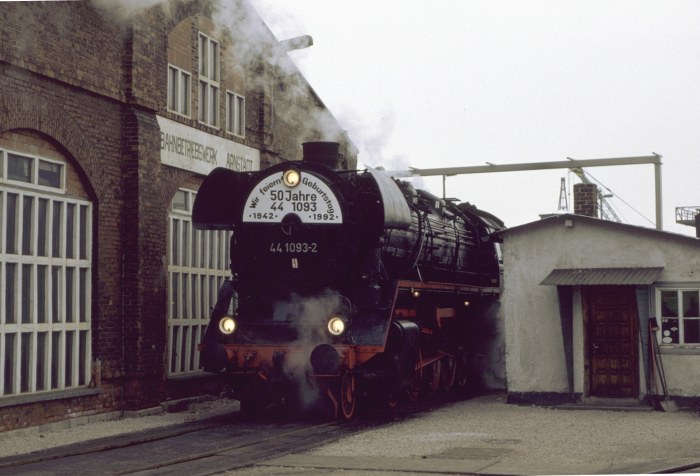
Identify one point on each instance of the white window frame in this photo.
(33, 182)
(209, 77)
(179, 91)
(198, 264)
(235, 114)
(45, 289)
(665, 333)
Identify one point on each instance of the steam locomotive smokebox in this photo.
(322, 153)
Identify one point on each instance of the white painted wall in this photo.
(530, 311)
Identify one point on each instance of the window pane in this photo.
(19, 168)
(56, 293)
(203, 59)
(26, 354)
(70, 338)
(41, 227)
(175, 295)
(230, 114)
(691, 331)
(240, 116)
(669, 331)
(180, 201)
(203, 101)
(83, 231)
(70, 230)
(2, 205)
(9, 364)
(55, 358)
(27, 224)
(27, 293)
(174, 254)
(173, 346)
(42, 293)
(11, 224)
(83, 295)
(50, 174)
(185, 94)
(214, 61)
(82, 358)
(172, 88)
(41, 361)
(56, 229)
(184, 246)
(70, 273)
(214, 120)
(690, 304)
(669, 304)
(10, 287)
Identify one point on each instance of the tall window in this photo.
(680, 316)
(179, 84)
(235, 114)
(198, 264)
(208, 81)
(45, 276)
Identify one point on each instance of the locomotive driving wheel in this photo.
(347, 395)
(449, 372)
(434, 376)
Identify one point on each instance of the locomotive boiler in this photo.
(344, 285)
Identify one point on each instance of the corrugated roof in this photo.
(602, 276)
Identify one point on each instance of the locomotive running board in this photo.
(449, 287)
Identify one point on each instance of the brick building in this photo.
(109, 120)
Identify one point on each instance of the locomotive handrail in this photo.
(448, 287)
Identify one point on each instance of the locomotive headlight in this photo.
(336, 325)
(291, 178)
(227, 325)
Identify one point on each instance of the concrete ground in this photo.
(485, 435)
(482, 435)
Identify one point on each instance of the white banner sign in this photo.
(190, 149)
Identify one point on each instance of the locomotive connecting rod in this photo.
(561, 164)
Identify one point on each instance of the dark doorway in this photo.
(611, 341)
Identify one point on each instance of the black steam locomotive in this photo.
(345, 284)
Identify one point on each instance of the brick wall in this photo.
(586, 199)
(91, 86)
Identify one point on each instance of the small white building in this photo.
(578, 299)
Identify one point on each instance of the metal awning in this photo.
(602, 276)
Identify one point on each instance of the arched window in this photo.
(45, 270)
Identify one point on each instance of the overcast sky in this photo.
(456, 83)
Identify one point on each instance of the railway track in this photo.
(205, 447)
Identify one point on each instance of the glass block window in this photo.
(198, 264)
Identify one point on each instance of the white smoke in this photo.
(310, 316)
(127, 10)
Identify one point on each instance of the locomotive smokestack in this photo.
(323, 153)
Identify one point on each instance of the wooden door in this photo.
(612, 341)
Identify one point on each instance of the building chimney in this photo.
(586, 199)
